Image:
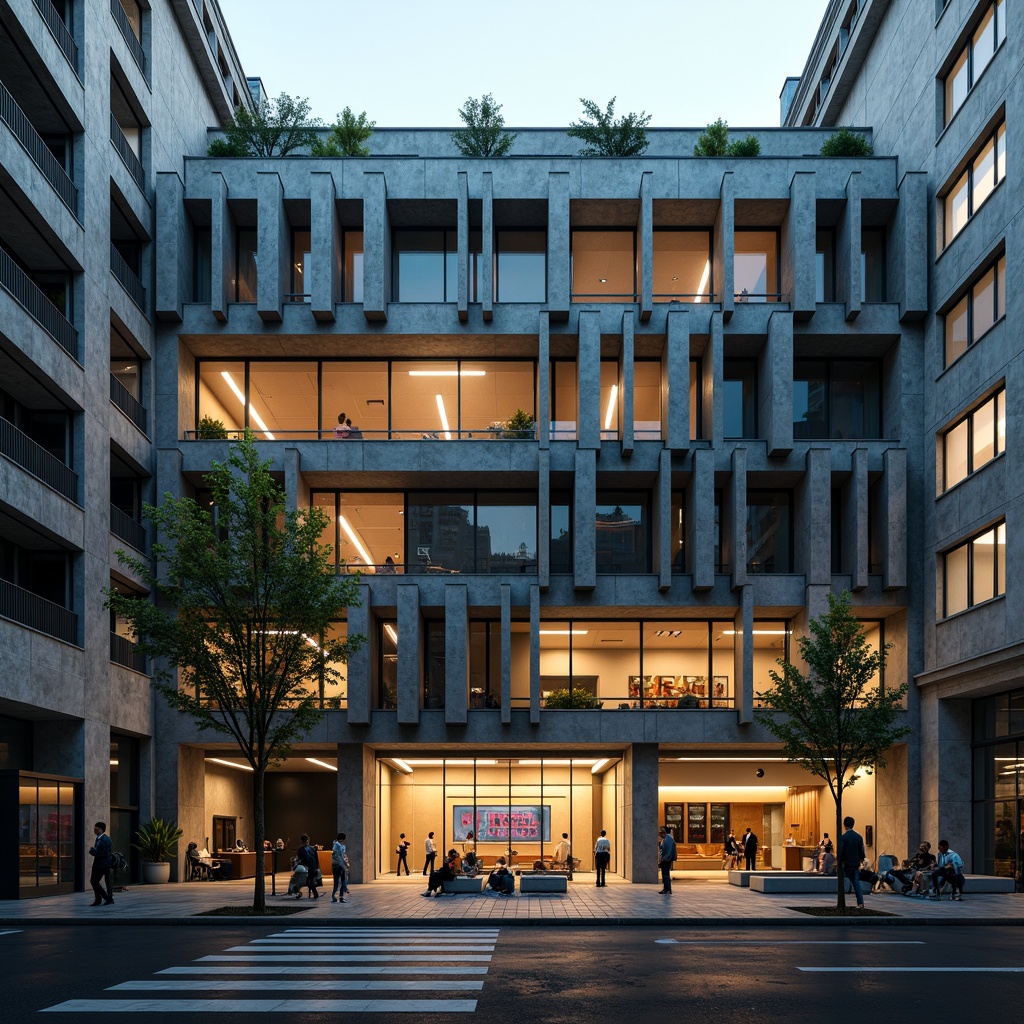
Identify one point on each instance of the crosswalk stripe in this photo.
(307, 985)
(372, 958)
(336, 947)
(323, 969)
(180, 1006)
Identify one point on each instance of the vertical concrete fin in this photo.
(736, 503)
(645, 239)
(558, 245)
(273, 247)
(725, 246)
(713, 384)
(848, 249)
(173, 251)
(588, 377)
(798, 278)
(358, 669)
(663, 521)
(675, 378)
(584, 518)
(506, 653)
(222, 249)
(814, 533)
(410, 656)
(627, 365)
(777, 384)
(544, 381)
(544, 518)
(534, 654)
(743, 656)
(701, 520)
(908, 274)
(487, 225)
(463, 242)
(456, 653)
(325, 246)
(376, 247)
(855, 525)
(893, 527)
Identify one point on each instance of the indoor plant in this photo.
(211, 429)
(578, 699)
(156, 843)
(519, 425)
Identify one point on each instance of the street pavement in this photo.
(706, 901)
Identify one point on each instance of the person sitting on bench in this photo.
(445, 873)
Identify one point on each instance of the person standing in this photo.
(750, 850)
(563, 854)
(306, 856)
(403, 854)
(731, 851)
(602, 857)
(666, 858)
(849, 855)
(431, 849)
(339, 868)
(101, 852)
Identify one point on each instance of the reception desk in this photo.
(787, 858)
(243, 865)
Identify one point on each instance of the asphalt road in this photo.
(511, 975)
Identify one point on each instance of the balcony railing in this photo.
(59, 30)
(128, 278)
(124, 652)
(126, 153)
(37, 613)
(134, 45)
(37, 305)
(127, 403)
(123, 526)
(15, 119)
(21, 449)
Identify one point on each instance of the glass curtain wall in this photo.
(48, 833)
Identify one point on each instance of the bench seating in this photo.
(742, 877)
(543, 883)
(464, 884)
(774, 882)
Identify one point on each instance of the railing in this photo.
(123, 526)
(59, 30)
(36, 612)
(134, 45)
(124, 652)
(126, 153)
(129, 281)
(28, 295)
(356, 434)
(21, 449)
(15, 119)
(127, 403)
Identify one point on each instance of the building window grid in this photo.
(974, 440)
(970, 577)
(983, 174)
(976, 54)
(969, 320)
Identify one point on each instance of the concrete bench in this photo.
(742, 878)
(987, 884)
(464, 884)
(543, 883)
(781, 881)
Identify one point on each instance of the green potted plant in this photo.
(689, 701)
(519, 425)
(211, 430)
(156, 843)
(578, 700)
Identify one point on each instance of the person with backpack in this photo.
(339, 868)
(666, 858)
(307, 857)
(101, 851)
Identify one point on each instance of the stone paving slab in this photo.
(705, 901)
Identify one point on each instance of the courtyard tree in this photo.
(835, 722)
(272, 128)
(606, 135)
(714, 141)
(346, 136)
(240, 627)
(485, 134)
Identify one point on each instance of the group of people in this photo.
(345, 430)
(734, 849)
(306, 873)
(925, 874)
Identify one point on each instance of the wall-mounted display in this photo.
(696, 823)
(494, 823)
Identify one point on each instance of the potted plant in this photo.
(211, 430)
(688, 700)
(573, 699)
(156, 843)
(519, 425)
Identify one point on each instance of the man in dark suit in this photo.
(750, 850)
(99, 878)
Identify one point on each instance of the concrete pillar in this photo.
(848, 249)
(735, 500)
(222, 249)
(663, 522)
(462, 231)
(376, 247)
(534, 654)
(357, 808)
(487, 230)
(893, 525)
(189, 809)
(908, 247)
(544, 518)
(296, 490)
(725, 246)
(797, 272)
(588, 380)
(640, 806)
(675, 381)
(626, 385)
(559, 280)
(325, 246)
(358, 671)
(813, 533)
(645, 240)
(273, 247)
(713, 383)
(410, 654)
(584, 528)
(173, 248)
(456, 654)
(946, 771)
(544, 382)
(700, 520)
(743, 656)
(776, 384)
(506, 653)
(855, 526)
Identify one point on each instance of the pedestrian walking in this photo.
(666, 858)
(403, 854)
(101, 852)
(339, 868)
(602, 857)
(431, 851)
(306, 856)
(563, 854)
(849, 854)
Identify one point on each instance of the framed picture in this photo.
(698, 685)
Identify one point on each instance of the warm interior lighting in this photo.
(756, 632)
(230, 764)
(392, 635)
(323, 764)
(547, 762)
(610, 411)
(447, 373)
(600, 766)
(398, 764)
(444, 417)
(457, 762)
(562, 632)
(668, 632)
(354, 537)
(252, 412)
(702, 287)
(114, 762)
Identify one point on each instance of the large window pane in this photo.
(425, 399)
(956, 580)
(755, 266)
(506, 533)
(824, 267)
(284, 397)
(984, 557)
(984, 171)
(245, 262)
(521, 266)
(561, 534)
(872, 280)
(622, 533)
(301, 254)
(356, 391)
(353, 266)
(222, 393)
(678, 527)
(563, 400)
(419, 267)
(769, 531)
(983, 431)
(955, 454)
(647, 400)
(956, 330)
(956, 210)
(491, 393)
(603, 266)
(956, 85)
(739, 398)
(855, 395)
(983, 43)
(810, 399)
(682, 265)
(609, 399)
(441, 533)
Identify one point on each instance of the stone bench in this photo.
(773, 882)
(987, 884)
(543, 883)
(742, 877)
(464, 884)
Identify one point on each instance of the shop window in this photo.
(769, 531)
(837, 398)
(981, 306)
(872, 265)
(975, 571)
(682, 266)
(604, 266)
(520, 266)
(623, 532)
(972, 60)
(965, 196)
(756, 266)
(975, 440)
(739, 398)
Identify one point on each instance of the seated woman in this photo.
(445, 873)
(501, 880)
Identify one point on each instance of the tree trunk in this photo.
(259, 891)
(840, 873)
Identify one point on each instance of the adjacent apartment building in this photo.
(615, 430)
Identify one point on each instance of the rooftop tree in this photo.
(485, 134)
(606, 135)
(241, 622)
(846, 143)
(346, 136)
(272, 128)
(833, 721)
(714, 141)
